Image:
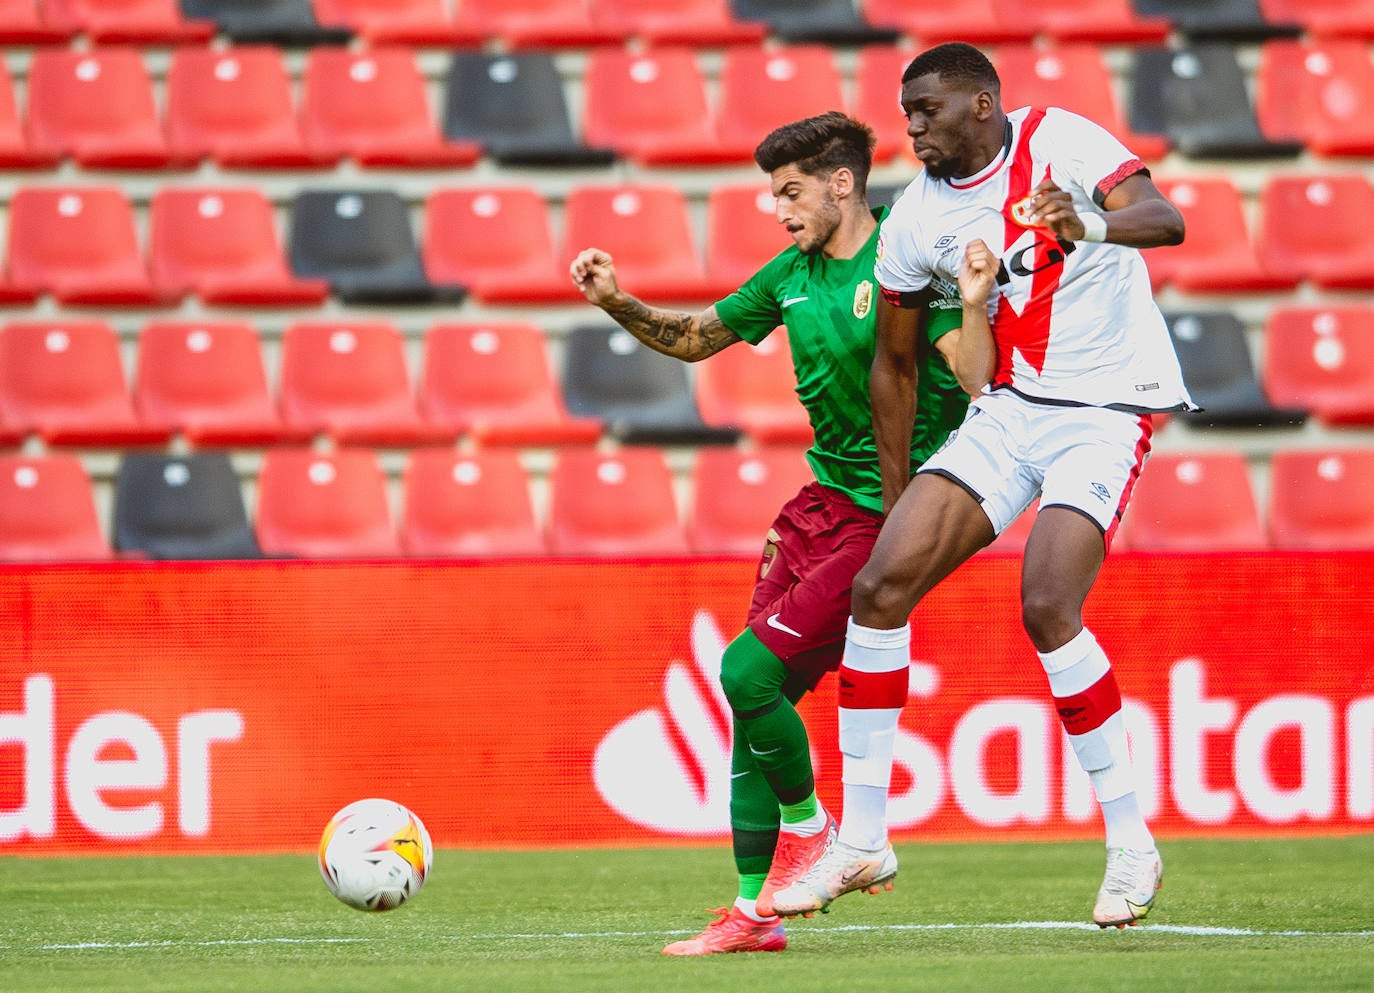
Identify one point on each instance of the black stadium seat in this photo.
(181, 507)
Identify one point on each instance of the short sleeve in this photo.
(1095, 161)
(753, 311)
(900, 267)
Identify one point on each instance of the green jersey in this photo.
(829, 307)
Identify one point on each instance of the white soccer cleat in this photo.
(1128, 890)
(841, 869)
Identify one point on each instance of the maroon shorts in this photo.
(817, 544)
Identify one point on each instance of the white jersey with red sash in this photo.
(1075, 323)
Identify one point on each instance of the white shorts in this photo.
(1008, 451)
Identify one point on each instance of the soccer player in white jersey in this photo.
(1037, 213)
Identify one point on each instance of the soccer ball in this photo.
(375, 854)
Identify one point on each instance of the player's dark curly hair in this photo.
(955, 62)
(819, 145)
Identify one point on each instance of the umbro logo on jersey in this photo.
(1101, 492)
(944, 241)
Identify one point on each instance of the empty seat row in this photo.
(491, 382)
(317, 504)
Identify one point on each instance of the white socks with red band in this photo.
(873, 690)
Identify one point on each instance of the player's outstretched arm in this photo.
(690, 337)
(975, 352)
(892, 388)
(1135, 214)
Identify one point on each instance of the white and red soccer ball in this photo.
(375, 854)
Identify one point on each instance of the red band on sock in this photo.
(873, 690)
(1084, 712)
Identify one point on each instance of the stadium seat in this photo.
(222, 245)
(976, 21)
(349, 380)
(135, 22)
(761, 88)
(700, 23)
(95, 107)
(289, 23)
(737, 493)
(1322, 359)
(1194, 502)
(181, 507)
(1076, 78)
(493, 382)
(1317, 93)
(324, 504)
(742, 233)
(15, 150)
(468, 504)
(1319, 227)
(613, 503)
(1102, 22)
(640, 395)
(828, 22)
(1324, 18)
(498, 242)
(372, 106)
(1218, 255)
(361, 241)
(22, 22)
(651, 107)
(877, 84)
(400, 22)
(1232, 20)
(1197, 96)
(80, 244)
(1214, 355)
(647, 228)
(235, 106)
(513, 105)
(540, 23)
(64, 381)
(1321, 499)
(207, 381)
(47, 510)
(754, 388)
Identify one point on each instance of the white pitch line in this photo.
(1202, 931)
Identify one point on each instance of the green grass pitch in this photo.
(1273, 915)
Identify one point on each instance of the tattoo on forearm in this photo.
(672, 332)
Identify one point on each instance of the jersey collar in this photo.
(988, 170)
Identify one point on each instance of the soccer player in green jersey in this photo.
(822, 289)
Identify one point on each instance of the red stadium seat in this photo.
(399, 22)
(1324, 18)
(651, 107)
(1076, 78)
(494, 383)
(1318, 93)
(1097, 21)
(324, 504)
(22, 22)
(15, 151)
(349, 380)
(677, 22)
(877, 99)
(1218, 255)
(47, 510)
(647, 229)
(139, 22)
(468, 504)
(1322, 499)
(1321, 359)
(235, 106)
(762, 88)
(222, 245)
(1194, 502)
(372, 106)
(1319, 227)
(80, 244)
(497, 241)
(64, 382)
(737, 493)
(742, 233)
(207, 381)
(753, 388)
(975, 21)
(539, 23)
(613, 503)
(96, 107)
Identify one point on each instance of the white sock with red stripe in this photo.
(873, 689)
(1089, 704)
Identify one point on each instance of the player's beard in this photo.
(821, 227)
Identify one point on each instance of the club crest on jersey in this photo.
(863, 299)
